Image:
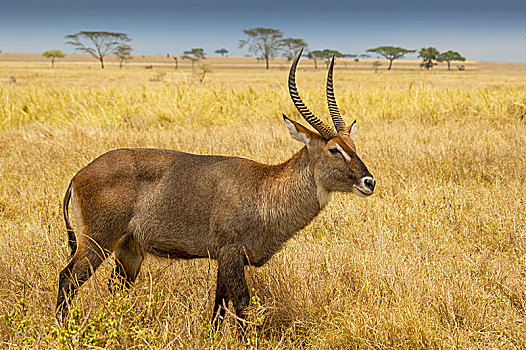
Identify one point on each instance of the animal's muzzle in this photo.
(369, 183)
(365, 186)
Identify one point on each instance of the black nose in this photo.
(369, 183)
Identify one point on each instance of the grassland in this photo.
(435, 259)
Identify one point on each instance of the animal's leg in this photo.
(87, 258)
(221, 299)
(128, 260)
(231, 270)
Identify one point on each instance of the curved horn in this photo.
(326, 131)
(333, 108)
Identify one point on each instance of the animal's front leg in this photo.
(221, 301)
(232, 273)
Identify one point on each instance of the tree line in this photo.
(262, 42)
(268, 42)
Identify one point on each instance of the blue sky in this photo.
(480, 30)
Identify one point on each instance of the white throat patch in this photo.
(323, 195)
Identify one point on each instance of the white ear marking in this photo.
(296, 135)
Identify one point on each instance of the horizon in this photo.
(479, 30)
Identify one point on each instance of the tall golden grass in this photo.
(435, 259)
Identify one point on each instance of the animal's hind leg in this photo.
(128, 260)
(87, 258)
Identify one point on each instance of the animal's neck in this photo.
(293, 198)
(288, 201)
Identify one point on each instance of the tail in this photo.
(72, 240)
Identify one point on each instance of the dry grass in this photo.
(435, 259)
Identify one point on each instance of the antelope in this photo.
(135, 202)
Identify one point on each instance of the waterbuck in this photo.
(172, 204)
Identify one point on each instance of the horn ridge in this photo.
(326, 131)
(337, 119)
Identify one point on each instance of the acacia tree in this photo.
(449, 56)
(98, 44)
(265, 42)
(291, 46)
(390, 52)
(221, 51)
(53, 54)
(194, 55)
(325, 55)
(428, 55)
(315, 55)
(123, 52)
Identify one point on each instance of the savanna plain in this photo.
(436, 258)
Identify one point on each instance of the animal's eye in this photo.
(335, 152)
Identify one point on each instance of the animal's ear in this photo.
(352, 129)
(298, 132)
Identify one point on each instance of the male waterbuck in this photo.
(172, 204)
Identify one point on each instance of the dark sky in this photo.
(481, 30)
